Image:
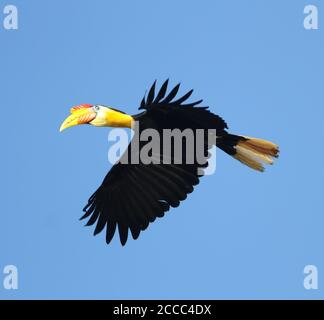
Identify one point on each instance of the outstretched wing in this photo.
(133, 195)
(188, 115)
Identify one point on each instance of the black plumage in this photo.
(133, 195)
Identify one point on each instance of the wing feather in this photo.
(133, 195)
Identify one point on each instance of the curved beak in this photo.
(82, 114)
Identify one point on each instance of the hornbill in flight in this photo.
(133, 194)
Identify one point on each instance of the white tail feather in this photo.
(255, 152)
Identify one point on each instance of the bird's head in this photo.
(96, 115)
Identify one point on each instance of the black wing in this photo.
(133, 195)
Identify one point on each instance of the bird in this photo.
(133, 195)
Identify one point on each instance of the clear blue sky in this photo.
(241, 234)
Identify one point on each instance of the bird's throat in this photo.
(120, 120)
(114, 118)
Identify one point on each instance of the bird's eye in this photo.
(96, 108)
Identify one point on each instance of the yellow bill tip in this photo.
(78, 116)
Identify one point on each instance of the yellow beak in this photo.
(80, 115)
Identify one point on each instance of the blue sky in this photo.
(241, 234)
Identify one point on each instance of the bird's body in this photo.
(133, 194)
